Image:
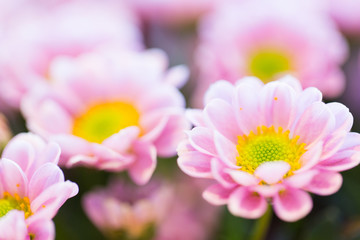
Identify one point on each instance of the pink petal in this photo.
(195, 164)
(219, 171)
(272, 172)
(291, 81)
(52, 198)
(343, 118)
(311, 157)
(217, 194)
(221, 115)
(306, 98)
(12, 178)
(292, 204)
(172, 133)
(219, 90)
(246, 106)
(241, 177)
(325, 183)
(202, 140)
(195, 116)
(106, 155)
(247, 204)
(177, 76)
(144, 166)
(277, 105)
(122, 141)
(226, 150)
(341, 161)
(13, 226)
(43, 229)
(298, 180)
(314, 124)
(47, 175)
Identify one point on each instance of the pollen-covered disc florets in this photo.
(267, 145)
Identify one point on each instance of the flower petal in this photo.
(13, 226)
(247, 204)
(325, 183)
(12, 178)
(226, 150)
(292, 204)
(201, 139)
(272, 172)
(219, 90)
(144, 166)
(217, 194)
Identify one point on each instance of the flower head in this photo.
(32, 188)
(113, 113)
(269, 143)
(265, 40)
(43, 31)
(153, 211)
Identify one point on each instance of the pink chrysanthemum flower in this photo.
(155, 211)
(264, 39)
(42, 31)
(113, 113)
(32, 188)
(269, 143)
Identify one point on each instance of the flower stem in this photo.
(261, 226)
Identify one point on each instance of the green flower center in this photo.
(103, 120)
(268, 64)
(268, 145)
(8, 203)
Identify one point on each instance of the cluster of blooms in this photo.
(94, 94)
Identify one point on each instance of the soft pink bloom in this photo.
(269, 143)
(38, 33)
(159, 211)
(265, 39)
(172, 12)
(346, 15)
(112, 112)
(32, 188)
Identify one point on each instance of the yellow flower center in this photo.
(267, 145)
(8, 203)
(103, 120)
(268, 64)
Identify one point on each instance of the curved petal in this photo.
(47, 175)
(272, 172)
(292, 204)
(177, 76)
(195, 164)
(220, 115)
(12, 178)
(226, 150)
(202, 140)
(144, 166)
(51, 199)
(241, 177)
(277, 102)
(219, 90)
(42, 229)
(196, 117)
(217, 194)
(123, 140)
(325, 183)
(13, 226)
(219, 171)
(314, 124)
(247, 204)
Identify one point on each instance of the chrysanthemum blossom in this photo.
(269, 143)
(32, 188)
(40, 32)
(154, 211)
(112, 112)
(265, 40)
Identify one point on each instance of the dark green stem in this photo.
(261, 226)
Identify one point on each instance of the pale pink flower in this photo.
(172, 12)
(38, 33)
(265, 39)
(158, 211)
(346, 15)
(112, 112)
(269, 143)
(32, 188)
